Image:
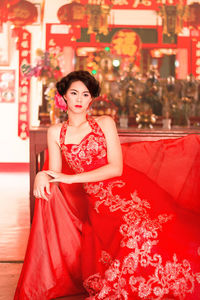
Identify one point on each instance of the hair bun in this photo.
(61, 87)
(84, 76)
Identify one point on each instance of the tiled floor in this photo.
(14, 231)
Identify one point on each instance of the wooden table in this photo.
(38, 145)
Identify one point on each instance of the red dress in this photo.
(131, 237)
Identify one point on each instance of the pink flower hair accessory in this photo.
(60, 102)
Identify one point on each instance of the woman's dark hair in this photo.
(90, 82)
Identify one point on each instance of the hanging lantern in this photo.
(22, 13)
(72, 13)
(94, 18)
(173, 17)
(98, 13)
(4, 5)
(193, 15)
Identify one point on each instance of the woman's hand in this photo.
(41, 187)
(59, 177)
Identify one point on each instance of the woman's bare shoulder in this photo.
(105, 121)
(54, 131)
(107, 125)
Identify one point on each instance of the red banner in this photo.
(143, 4)
(196, 59)
(135, 4)
(195, 53)
(24, 84)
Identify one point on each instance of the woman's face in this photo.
(78, 97)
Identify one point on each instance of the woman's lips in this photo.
(79, 106)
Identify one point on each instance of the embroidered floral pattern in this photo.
(141, 273)
(106, 196)
(173, 278)
(139, 233)
(91, 148)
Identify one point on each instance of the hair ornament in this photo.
(60, 102)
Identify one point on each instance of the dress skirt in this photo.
(136, 236)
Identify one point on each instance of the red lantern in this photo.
(72, 13)
(22, 13)
(4, 4)
(193, 15)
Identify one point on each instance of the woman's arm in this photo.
(42, 180)
(114, 157)
(55, 156)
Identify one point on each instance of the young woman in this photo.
(111, 229)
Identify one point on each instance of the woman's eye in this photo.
(86, 95)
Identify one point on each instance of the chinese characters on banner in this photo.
(197, 67)
(140, 4)
(127, 43)
(135, 4)
(24, 84)
(196, 58)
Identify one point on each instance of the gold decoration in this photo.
(126, 42)
(173, 17)
(103, 106)
(98, 13)
(50, 97)
(145, 118)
